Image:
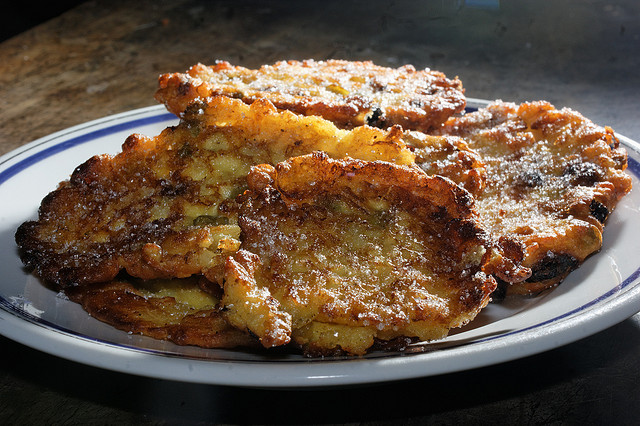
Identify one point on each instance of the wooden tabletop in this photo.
(104, 57)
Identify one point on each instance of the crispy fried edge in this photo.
(178, 90)
(119, 304)
(272, 325)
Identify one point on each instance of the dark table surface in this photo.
(103, 57)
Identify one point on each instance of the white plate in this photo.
(602, 292)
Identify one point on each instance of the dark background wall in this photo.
(21, 16)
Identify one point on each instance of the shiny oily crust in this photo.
(177, 310)
(339, 254)
(552, 179)
(164, 207)
(448, 156)
(348, 93)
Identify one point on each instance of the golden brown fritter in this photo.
(336, 254)
(448, 156)
(177, 310)
(347, 93)
(164, 206)
(552, 178)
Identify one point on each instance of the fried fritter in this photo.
(176, 310)
(448, 156)
(164, 206)
(337, 254)
(347, 93)
(552, 178)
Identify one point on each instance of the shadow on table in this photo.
(592, 380)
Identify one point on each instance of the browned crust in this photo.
(288, 219)
(122, 305)
(434, 196)
(348, 93)
(140, 210)
(102, 220)
(448, 156)
(553, 177)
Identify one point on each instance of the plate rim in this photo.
(144, 362)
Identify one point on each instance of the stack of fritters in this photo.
(370, 213)
(165, 206)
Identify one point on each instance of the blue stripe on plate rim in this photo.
(65, 144)
(65, 140)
